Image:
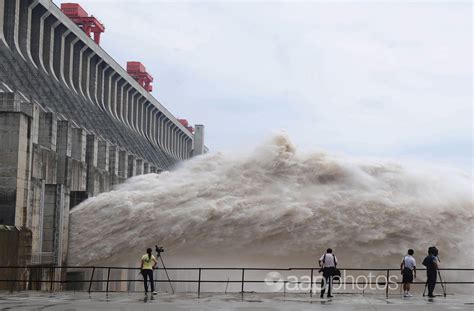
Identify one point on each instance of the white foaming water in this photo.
(276, 207)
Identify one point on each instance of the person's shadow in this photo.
(145, 299)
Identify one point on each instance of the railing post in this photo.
(108, 278)
(243, 281)
(13, 283)
(92, 277)
(311, 288)
(199, 284)
(51, 278)
(128, 281)
(41, 280)
(60, 282)
(386, 283)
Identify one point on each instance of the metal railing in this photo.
(53, 278)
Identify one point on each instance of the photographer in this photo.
(328, 263)
(148, 263)
(431, 264)
(408, 270)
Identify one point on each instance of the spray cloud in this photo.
(278, 207)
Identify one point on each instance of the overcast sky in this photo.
(385, 79)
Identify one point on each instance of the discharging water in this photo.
(277, 207)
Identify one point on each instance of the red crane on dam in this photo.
(138, 71)
(91, 25)
(186, 124)
(78, 15)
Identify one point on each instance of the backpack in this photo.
(336, 274)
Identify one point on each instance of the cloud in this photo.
(376, 78)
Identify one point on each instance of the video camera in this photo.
(159, 249)
(433, 251)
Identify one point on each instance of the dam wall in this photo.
(73, 123)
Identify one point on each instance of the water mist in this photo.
(277, 207)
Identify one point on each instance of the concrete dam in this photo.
(73, 123)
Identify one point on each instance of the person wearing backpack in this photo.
(431, 264)
(328, 263)
(408, 270)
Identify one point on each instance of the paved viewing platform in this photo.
(211, 301)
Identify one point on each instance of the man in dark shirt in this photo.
(431, 263)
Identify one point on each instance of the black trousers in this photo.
(328, 273)
(431, 281)
(148, 274)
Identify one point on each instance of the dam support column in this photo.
(15, 122)
(198, 140)
(123, 165)
(97, 159)
(78, 167)
(93, 174)
(16, 132)
(56, 204)
(44, 172)
(103, 165)
(113, 165)
(55, 224)
(139, 167)
(132, 166)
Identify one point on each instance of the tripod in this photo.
(158, 254)
(441, 281)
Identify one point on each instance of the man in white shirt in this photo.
(328, 263)
(408, 269)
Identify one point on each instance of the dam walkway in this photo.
(30, 300)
